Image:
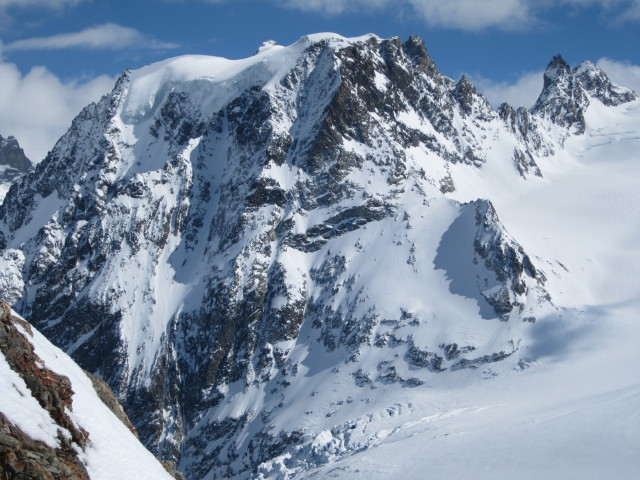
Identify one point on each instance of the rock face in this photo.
(13, 163)
(239, 248)
(22, 457)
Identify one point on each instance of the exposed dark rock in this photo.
(12, 155)
(20, 456)
(14, 164)
(452, 350)
(52, 391)
(346, 221)
(171, 468)
(566, 92)
(479, 361)
(562, 100)
(597, 84)
(505, 258)
(470, 101)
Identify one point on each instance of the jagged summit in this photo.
(598, 85)
(556, 72)
(265, 246)
(567, 92)
(470, 100)
(13, 163)
(213, 81)
(11, 154)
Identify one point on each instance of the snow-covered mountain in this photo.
(13, 163)
(53, 421)
(288, 262)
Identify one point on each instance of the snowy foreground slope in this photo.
(53, 424)
(330, 259)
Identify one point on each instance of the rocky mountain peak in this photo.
(562, 99)
(417, 50)
(13, 163)
(557, 71)
(11, 154)
(567, 93)
(470, 100)
(598, 85)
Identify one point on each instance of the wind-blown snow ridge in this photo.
(214, 81)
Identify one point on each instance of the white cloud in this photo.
(107, 36)
(39, 3)
(473, 14)
(621, 73)
(463, 14)
(37, 108)
(524, 91)
(333, 6)
(632, 13)
(470, 14)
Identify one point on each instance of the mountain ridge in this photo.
(216, 239)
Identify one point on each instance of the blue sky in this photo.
(57, 55)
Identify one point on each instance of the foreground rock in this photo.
(45, 432)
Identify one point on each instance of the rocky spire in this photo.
(562, 100)
(568, 92)
(471, 102)
(598, 85)
(11, 154)
(557, 71)
(13, 163)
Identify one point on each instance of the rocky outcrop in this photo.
(513, 269)
(13, 157)
(563, 100)
(24, 458)
(20, 456)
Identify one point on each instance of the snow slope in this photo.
(571, 413)
(113, 452)
(569, 408)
